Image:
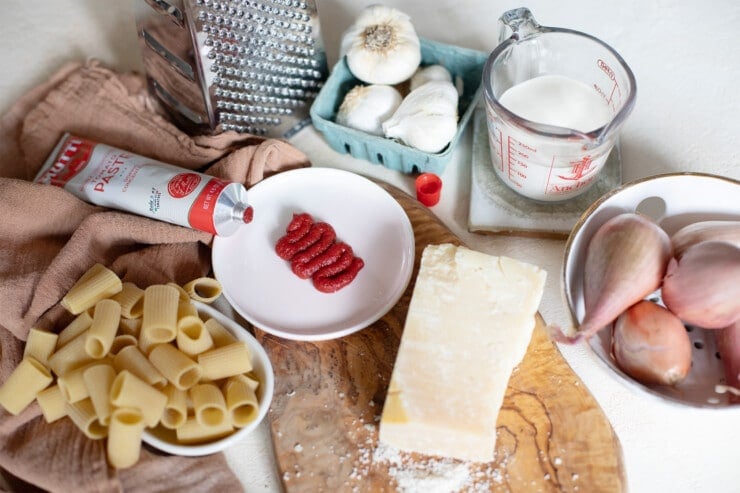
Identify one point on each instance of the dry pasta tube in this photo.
(159, 320)
(124, 437)
(70, 356)
(98, 379)
(184, 296)
(103, 330)
(186, 309)
(251, 379)
(131, 299)
(176, 410)
(203, 289)
(72, 384)
(20, 389)
(96, 284)
(130, 326)
(52, 403)
(80, 324)
(122, 341)
(241, 401)
(176, 367)
(192, 336)
(194, 432)
(209, 404)
(146, 344)
(225, 361)
(83, 416)
(220, 334)
(128, 390)
(40, 344)
(133, 360)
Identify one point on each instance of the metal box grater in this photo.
(249, 66)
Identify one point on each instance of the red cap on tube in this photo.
(248, 215)
(428, 189)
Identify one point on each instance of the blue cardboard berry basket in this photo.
(464, 63)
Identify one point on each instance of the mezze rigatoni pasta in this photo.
(40, 344)
(20, 389)
(96, 284)
(118, 368)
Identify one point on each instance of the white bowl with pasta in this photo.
(165, 440)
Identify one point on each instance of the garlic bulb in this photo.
(382, 46)
(365, 108)
(429, 73)
(426, 118)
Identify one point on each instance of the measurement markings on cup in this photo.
(496, 144)
(615, 90)
(518, 155)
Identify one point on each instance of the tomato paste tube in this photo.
(104, 175)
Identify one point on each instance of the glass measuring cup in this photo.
(543, 161)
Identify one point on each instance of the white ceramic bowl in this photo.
(673, 201)
(164, 440)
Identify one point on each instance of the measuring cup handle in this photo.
(517, 24)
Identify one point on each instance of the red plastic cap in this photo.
(248, 215)
(428, 189)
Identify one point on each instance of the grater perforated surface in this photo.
(258, 64)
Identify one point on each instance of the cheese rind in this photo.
(469, 323)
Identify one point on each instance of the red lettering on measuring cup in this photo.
(606, 69)
(578, 169)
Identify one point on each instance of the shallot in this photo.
(728, 231)
(728, 346)
(703, 287)
(625, 261)
(651, 344)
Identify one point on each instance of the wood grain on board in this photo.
(551, 434)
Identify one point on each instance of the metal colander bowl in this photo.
(673, 201)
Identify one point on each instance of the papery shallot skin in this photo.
(694, 233)
(728, 347)
(703, 287)
(651, 344)
(625, 261)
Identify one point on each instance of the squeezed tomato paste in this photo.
(313, 252)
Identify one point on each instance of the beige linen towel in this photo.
(48, 238)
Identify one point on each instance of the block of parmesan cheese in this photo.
(469, 323)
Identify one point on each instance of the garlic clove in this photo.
(651, 344)
(626, 259)
(697, 232)
(703, 286)
(426, 118)
(381, 46)
(429, 73)
(365, 108)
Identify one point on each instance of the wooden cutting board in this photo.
(551, 433)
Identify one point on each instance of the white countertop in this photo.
(685, 59)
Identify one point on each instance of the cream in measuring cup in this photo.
(555, 101)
